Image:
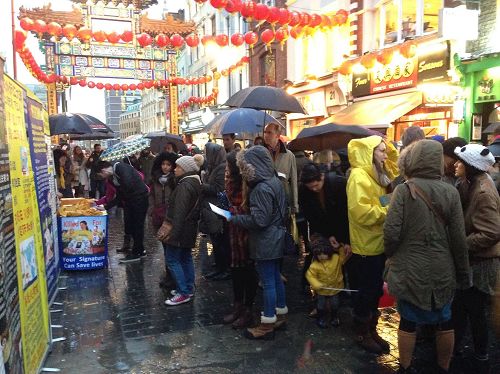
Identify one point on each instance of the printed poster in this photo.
(11, 359)
(32, 286)
(83, 241)
(41, 162)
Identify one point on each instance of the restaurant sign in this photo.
(403, 73)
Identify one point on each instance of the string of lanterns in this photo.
(198, 100)
(37, 72)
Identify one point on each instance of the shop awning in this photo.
(378, 111)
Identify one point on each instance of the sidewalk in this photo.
(115, 321)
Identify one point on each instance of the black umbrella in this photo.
(160, 138)
(75, 123)
(266, 98)
(241, 120)
(95, 135)
(330, 136)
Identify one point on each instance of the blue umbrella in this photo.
(241, 120)
(129, 146)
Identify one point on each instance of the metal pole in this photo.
(14, 56)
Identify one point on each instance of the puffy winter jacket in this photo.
(366, 213)
(327, 273)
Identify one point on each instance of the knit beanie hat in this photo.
(450, 144)
(188, 164)
(476, 155)
(199, 159)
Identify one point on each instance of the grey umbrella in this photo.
(241, 120)
(266, 98)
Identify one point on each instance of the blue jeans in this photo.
(274, 289)
(180, 263)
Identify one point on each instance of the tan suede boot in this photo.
(406, 346)
(281, 315)
(264, 331)
(364, 337)
(445, 341)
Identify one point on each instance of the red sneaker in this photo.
(178, 299)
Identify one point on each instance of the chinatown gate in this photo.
(112, 39)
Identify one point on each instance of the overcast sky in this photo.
(83, 100)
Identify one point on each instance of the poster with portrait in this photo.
(83, 241)
(477, 126)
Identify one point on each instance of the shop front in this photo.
(321, 97)
(482, 85)
(407, 91)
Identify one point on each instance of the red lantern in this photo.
(54, 29)
(261, 12)
(207, 39)
(368, 60)
(248, 10)
(82, 82)
(315, 20)
(237, 39)
(245, 59)
(91, 84)
(99, 36)
(233, 6)
(216, 75)
(69, 31)
(73, 80)
(326, 22)
(113, 37)
(282, 35)
(148, 84)
(251, 38)
(285, 16)
(385, 57)
(40, 26)
(222, 40)
(345, 68)
(296, 32)
(99, 86)
(267, 36)
(162, 40)
(127, 36)
(133, 87)
(192, 40)
(305, 18)
(219, 4)
(408, 49)
(84, 34)
(108, 86)
(116, 87)
(274, 15)
(144, 39)
(157, 84)
(19, 39)
(180, 81)
(225, 72)
(124, 87)
(333, 20)
(27, 24)
(294, 18)
(208, 78)
(341, 16)
(177, 40)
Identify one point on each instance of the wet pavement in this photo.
(115, 321)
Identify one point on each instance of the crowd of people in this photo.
(424, 219)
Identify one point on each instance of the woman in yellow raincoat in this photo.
(373, 167)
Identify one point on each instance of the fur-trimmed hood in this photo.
(255, 164)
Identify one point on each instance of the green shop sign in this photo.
(487, 85)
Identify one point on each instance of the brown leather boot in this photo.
(384, 345)
(238, 309)
(244, 320)
(281, 318)
(264, 331)
(364, 337)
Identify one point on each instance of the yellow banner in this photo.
(29, 248)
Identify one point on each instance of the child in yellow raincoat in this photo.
(326, 278)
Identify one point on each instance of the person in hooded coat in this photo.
(266, 230)
(373, 165)
(211, 223)
(427, 258)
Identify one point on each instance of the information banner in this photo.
(32, 286)
(11, 360)
(39, 141)
(84, 242)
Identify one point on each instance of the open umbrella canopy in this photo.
(266, 98)
(76, 123)
(160, 138)
(329, 136)
(125, 148)
(241, 120)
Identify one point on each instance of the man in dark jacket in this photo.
(96, 182)
(178, 232)
(266, 229)
(132, 193)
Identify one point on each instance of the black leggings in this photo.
(244, 284)
(409, 326)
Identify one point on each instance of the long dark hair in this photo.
(58, 153)
(234, 172)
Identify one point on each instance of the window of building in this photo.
(213, 25)
(268, 69)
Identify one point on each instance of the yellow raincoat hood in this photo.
(366, 213)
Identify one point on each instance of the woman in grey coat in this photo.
(266, 228)
(426, 251)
